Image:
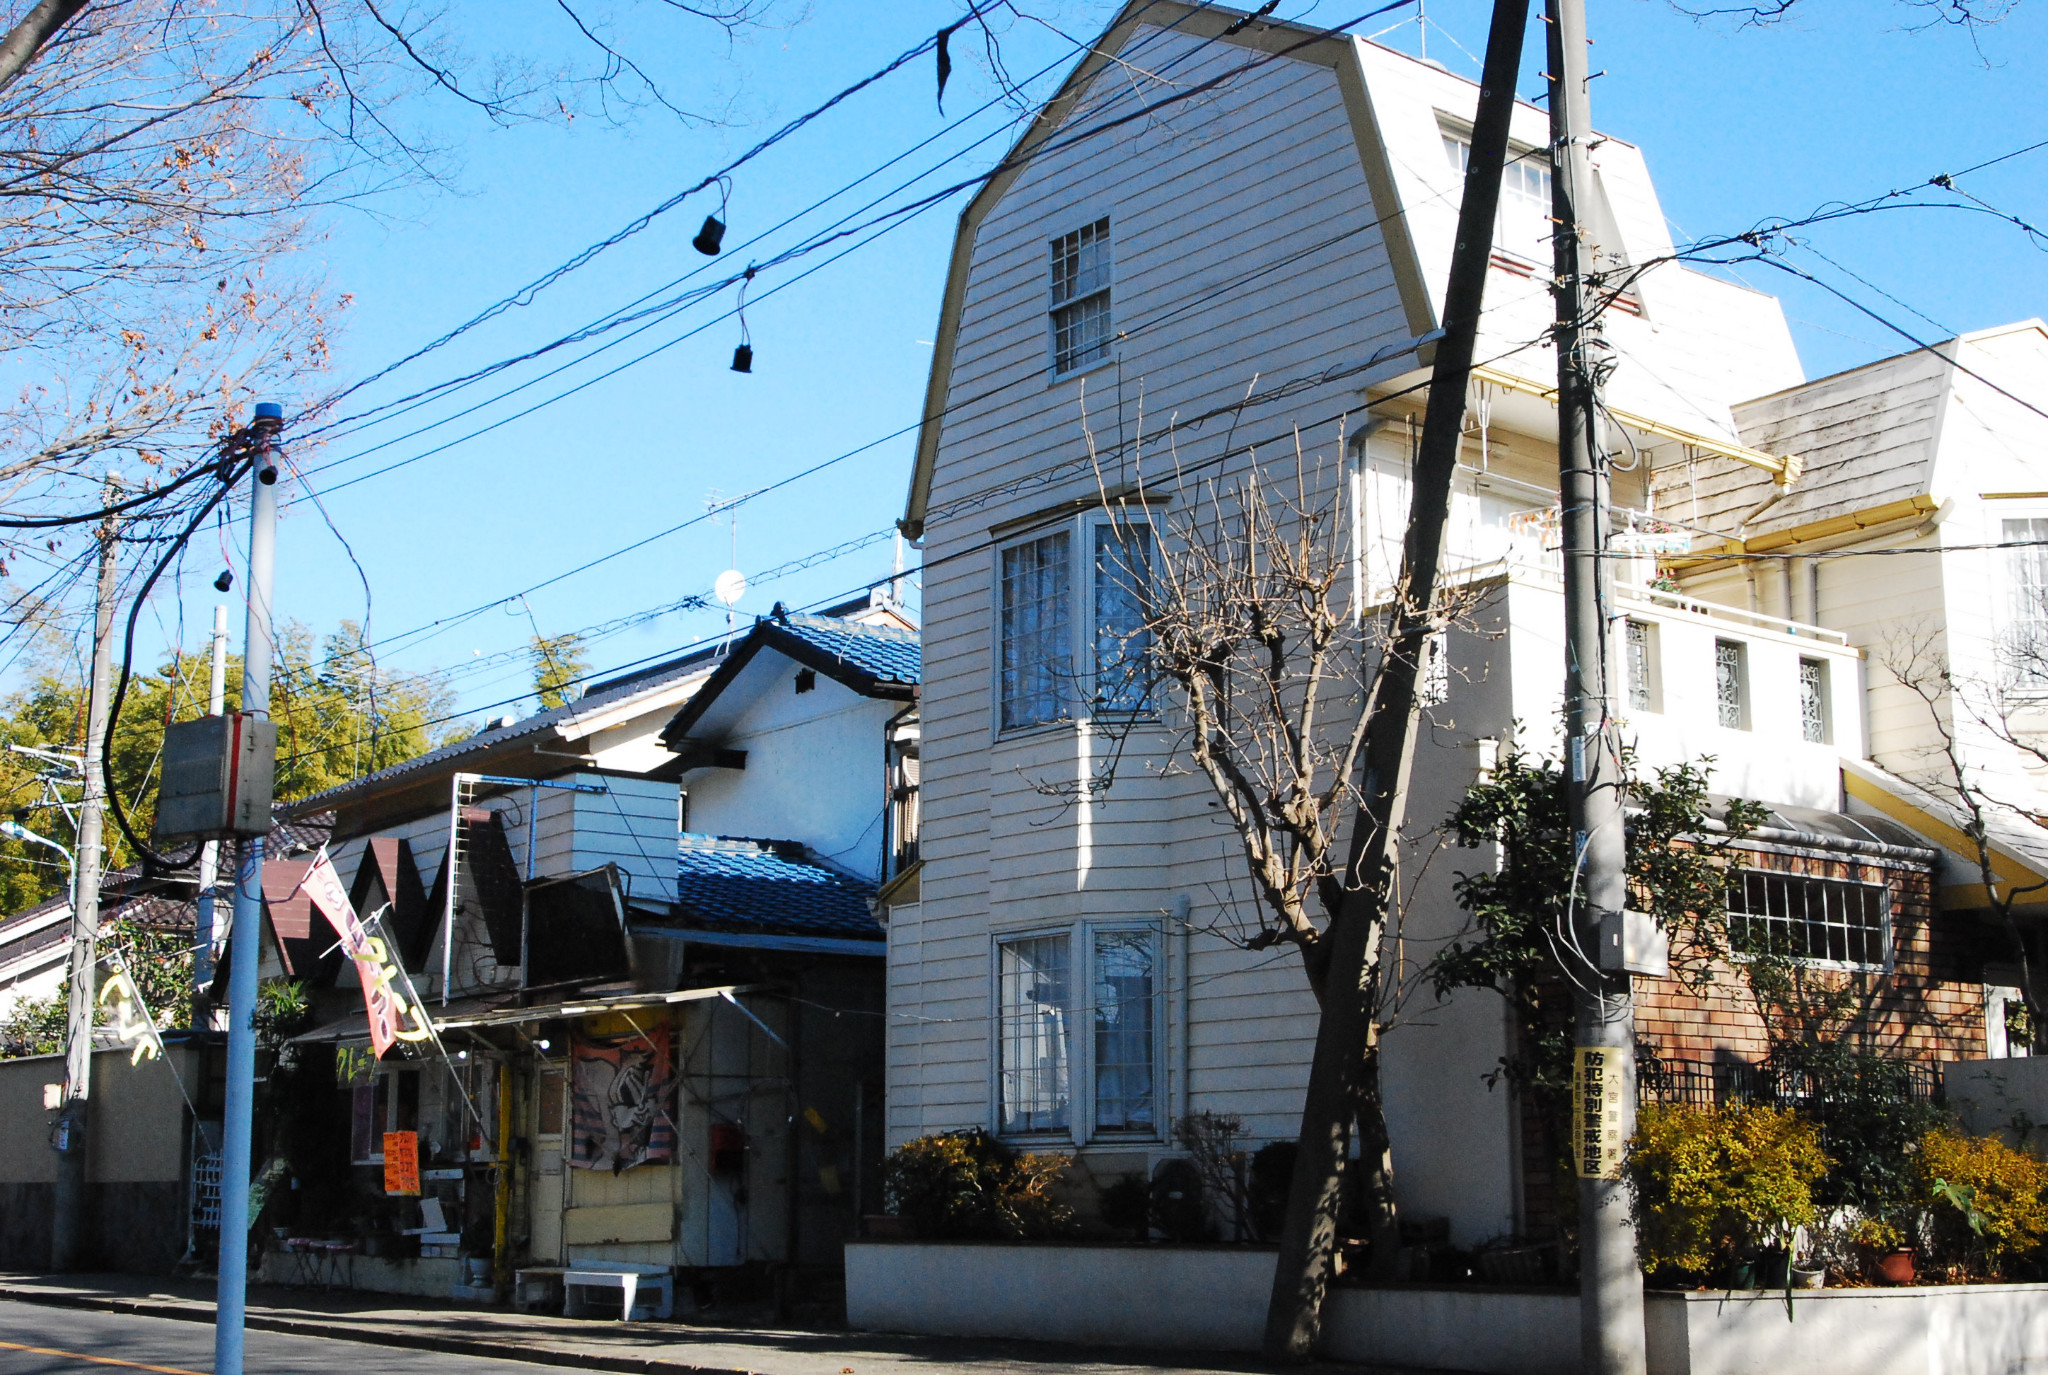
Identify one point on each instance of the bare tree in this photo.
(1960, 13)
(1971, 716)
(1263, 669)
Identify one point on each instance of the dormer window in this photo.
(1523, 225)
(1080, 318)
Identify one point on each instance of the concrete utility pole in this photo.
(246, 952)
(1347, 1033)
(69, 1221)
(204, 939)
(1604, 1069)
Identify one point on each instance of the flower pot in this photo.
(1814, 1278)
(1741, 1274)
(886, 1227)
(1896, 1267)
(1773, 1270)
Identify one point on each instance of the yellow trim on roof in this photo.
(1783, 468)
(2011, 873)
(1869, 518)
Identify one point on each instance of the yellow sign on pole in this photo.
(1597, 1140)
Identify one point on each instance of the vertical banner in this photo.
(624, 1093)
(402, 1163)
(1597, 1142)
(375, 967)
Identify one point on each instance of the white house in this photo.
(1224, 233)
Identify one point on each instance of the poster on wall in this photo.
(624, 1090)
(402, 1163)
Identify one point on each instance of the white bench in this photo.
(649, 1286)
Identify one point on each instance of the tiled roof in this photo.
(884, 652)
(727, 884)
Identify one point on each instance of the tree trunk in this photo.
(1343, 1078)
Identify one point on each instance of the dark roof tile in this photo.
(770, 887)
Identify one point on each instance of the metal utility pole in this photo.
(204, 939)
(246, 951)
(1347, 1045)
(68, 1225)
(1604, 1067)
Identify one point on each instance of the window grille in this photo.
(1123, 613)
(1638, 648)
(1037, 655)
(1034, 1072)
(1124, 1002)
(1813, 700)
(2027, 596)
(1811, 920)
(1080, 297)
(1436, 669)
(1728, 683)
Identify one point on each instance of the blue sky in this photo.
(1739, 124)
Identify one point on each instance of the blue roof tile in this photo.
(726, 884)
(887, 652)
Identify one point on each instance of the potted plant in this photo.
(1885, 1244)
(1722, 1192)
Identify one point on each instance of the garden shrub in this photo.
(1708, 1184)
(2000, 1193)
(969, 1186)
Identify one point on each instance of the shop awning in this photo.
(464, 1014)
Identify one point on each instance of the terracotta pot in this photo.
(886, 1227)
(1897, 1266)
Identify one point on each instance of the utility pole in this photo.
(69, 1218)
(1347, 1044)
(246, 951)
(204, 939)
(1604, 1063)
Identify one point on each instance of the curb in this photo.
(375, 1336)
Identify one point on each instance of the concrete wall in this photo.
(1214, 1298)
(135, 1164)
(2009, 1097)
(1978, 1329)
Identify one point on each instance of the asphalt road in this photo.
(111, 1342)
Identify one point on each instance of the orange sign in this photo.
(402, 1163)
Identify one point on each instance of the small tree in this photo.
(1521, 906)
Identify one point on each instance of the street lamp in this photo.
(14, 830)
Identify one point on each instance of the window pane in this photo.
(1836, 921)
(1638, 666)
(1037, 660)
(2027, 597)
(1080, 297)
(1123, 992)
(1728, 682)
(1032, 979)
(1123, 581)
(1813, 699)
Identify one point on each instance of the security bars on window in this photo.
(1638, 666)
(1728, 683)
(1813, 700)
(1811, 920)
(1080, 297)
(2027, 587)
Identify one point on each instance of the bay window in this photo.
(1055, 665)
(1050, 1081)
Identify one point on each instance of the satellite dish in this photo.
(730, 587)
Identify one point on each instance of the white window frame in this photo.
(1742, 691)
(1645, 686)
(2024, 641)
(1101, 291)
(1082, 691)
(1080, 1128)
(1824, 678)
(1885, 933)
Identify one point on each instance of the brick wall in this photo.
(1928, 1006)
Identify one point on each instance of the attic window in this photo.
(806, 679)
(1080, 319)
(1522, 227)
